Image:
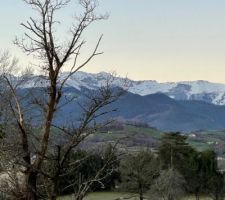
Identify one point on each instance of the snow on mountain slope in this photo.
(150, 87)
(185, 90)
(204, 86)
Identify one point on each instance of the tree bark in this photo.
(53, 196)
(80, 197)
(196, 196)
(217, 196)
(54, 190)
(141, 193)
(30, 186)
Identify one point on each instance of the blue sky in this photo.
(164, 40)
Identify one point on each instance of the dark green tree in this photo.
(97, 169)
(199, 169)
(174, 151)
(216, 186)
(194, 175)
(202, 174)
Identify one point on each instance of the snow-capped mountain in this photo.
(157, 104)
(186, 90)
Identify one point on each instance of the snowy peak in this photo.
(184, 90)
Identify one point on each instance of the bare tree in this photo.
(105, 164)
(168, 186)
(138, 171)
(40, 40)
(75, 135)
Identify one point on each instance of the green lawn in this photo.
(103, 196)
(201, 198)
(116, 195)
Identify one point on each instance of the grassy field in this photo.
(102, 196)
(140, 136)
(116, 195)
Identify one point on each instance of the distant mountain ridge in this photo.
(186, 90)
(183, 106)
(156, 110)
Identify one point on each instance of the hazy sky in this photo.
(164, 40)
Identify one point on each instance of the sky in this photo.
(163, 40)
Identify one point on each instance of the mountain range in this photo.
(172, 106)
(185, 90)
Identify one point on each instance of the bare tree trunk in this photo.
(170, 197)
(79, 197)
(30, 186)
(53, 195)
(216, 196)
(54, 190)
(40, 41)
(140, 193)
(197, 196)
